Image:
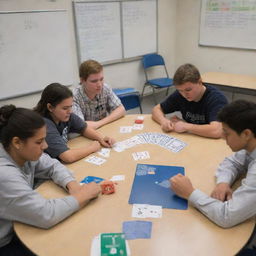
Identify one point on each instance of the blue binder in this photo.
(151, 186)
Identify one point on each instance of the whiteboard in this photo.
(35, 50)
(115, 30)
(98, 30)
(228, 23)
(139, 28)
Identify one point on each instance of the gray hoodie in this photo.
(18, 200)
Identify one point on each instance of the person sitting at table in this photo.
(22, 137)
(94, 101)
(198, 104)
(55, 106)
(226, 207)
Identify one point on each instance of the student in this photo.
(198, 104)
(94, 101)
(55, 106)
(226, 207)
(22, 136)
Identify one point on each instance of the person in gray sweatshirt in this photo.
(22, 137)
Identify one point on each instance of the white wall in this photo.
(207, 59)
(178, 35)
(237, 61)
(128, 74)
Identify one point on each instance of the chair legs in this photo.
(143, 92)
(154, 95)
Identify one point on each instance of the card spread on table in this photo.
(137, 229)
(95, 160)
(146, 211)
(162, 140)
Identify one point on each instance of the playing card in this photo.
(125, 129)
(104, 152)
(146, 211)
(117, 177)
(140, 155)
(95, 160)
(139, 210)
(138, 126)
(118, 147)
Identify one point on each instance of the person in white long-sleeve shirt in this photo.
(226, 207)
(22, 136)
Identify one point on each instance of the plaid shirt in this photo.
(97, 108)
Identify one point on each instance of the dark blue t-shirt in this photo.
(201, 112)
(57, 134)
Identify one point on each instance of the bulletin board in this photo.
(114, 31)
(228, 23)
(35, 51)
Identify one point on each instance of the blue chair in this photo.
(129, 97)
(150, 61)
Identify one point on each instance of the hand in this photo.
(93, 124)
(95, 146)
(222, 192)
(107, 142)
(86, 193)
(180, 126)
(181, 185)
(175, 119)
(167, 125)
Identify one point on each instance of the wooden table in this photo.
(178, 232)
(232, 82)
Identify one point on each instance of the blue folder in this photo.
(151, 186)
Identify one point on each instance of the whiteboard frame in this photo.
(114, 61)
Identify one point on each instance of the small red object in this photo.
(107, 187)
(138, 121)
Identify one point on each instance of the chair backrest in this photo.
(150, 60)
(130, 101)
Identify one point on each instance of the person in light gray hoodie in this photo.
(22, 136)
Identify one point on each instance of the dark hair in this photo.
(186, 73)
(239, 115)
(18, 122)
(89, 67)
(54, 94)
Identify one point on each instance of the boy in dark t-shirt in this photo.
(198, 104)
